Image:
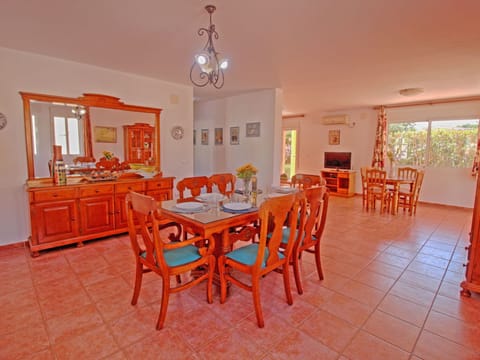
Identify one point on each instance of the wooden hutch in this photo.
(87, 208)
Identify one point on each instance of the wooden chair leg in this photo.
(138, 282)
(164, 302)
(318, 262)
(286, 283)
(256, 301)
(296, 272)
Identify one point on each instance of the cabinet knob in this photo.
(55, 195)
(97, 191)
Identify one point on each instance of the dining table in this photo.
(395, 183)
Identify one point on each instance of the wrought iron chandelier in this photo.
(208, 67)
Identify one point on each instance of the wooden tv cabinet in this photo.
(73, 213)
(339, 182)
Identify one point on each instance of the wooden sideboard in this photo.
(472, 276)
(68, 214)
(339, 182)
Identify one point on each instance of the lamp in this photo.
(79, 111)
(207, 68)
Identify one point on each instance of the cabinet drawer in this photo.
(125, 188)
(160, 184)
(56, 194)
(96, 190)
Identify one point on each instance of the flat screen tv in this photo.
(338, 160)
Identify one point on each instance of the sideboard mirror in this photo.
(100, 128)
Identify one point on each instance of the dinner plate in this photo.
(284, 189)
(211, 197)
(191, 206)
(237, 206)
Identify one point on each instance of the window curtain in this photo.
(476, 159)
(380, 148)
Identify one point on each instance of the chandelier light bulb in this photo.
(201, 59)
(224, 64)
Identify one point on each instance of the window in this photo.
(66, 132)
(434, 143)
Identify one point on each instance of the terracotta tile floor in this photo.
(391, 291)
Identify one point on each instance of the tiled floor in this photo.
(391, 291)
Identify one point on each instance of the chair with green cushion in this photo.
(162, 256)
(313, 216)
(259, 259)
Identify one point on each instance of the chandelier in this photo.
(208, 67)
(79, 111)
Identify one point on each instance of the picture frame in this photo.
(253, 129)
(104, 134)
(218, 136)
(194, 137)
(204, 138)
(334, 137)
(234, 135)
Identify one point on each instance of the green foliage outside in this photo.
(448, 147)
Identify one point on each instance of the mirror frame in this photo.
(88, 100)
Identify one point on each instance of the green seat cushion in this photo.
(180, 256)
(248, 254)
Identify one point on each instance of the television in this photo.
(338, 160)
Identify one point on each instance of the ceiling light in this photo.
(410, 91)
(79, 111)
(208, 67)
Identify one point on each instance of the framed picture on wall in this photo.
(253, 129)
(218, 136)
(334, 137)
(234, 135)
(204, 136)
(105, 134)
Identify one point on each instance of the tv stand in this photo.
(339, 182)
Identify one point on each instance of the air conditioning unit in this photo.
(336, 120)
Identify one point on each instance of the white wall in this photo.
(263, 152)
(39, 74)
(442, 186)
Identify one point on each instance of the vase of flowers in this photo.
(245, 172)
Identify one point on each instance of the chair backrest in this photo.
(141, 209)
(273, 214)
(418, 185)
(376, 178)
(193, 184)
(305, 181)
(225, 183)
(83, 159)
(363, 174)
(313, 216)
(407, 173)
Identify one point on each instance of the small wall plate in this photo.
(177, 132)
(3, 121)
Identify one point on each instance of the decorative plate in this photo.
(3, 121)
(237, 206)
(192, 206)
(177, 132)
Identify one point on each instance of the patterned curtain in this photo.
(380, 148)
(476, 159)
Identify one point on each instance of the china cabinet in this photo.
(139, 143)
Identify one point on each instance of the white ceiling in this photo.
(324, 54)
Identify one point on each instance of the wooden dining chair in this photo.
(408, 199)
(259, 259)
(155, 253)
(309, 232)
(377, 189)
(305, 181)
(363, 174)
(192, 186)
(224, 183)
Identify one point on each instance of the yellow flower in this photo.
(108, 154)
(246, 171)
